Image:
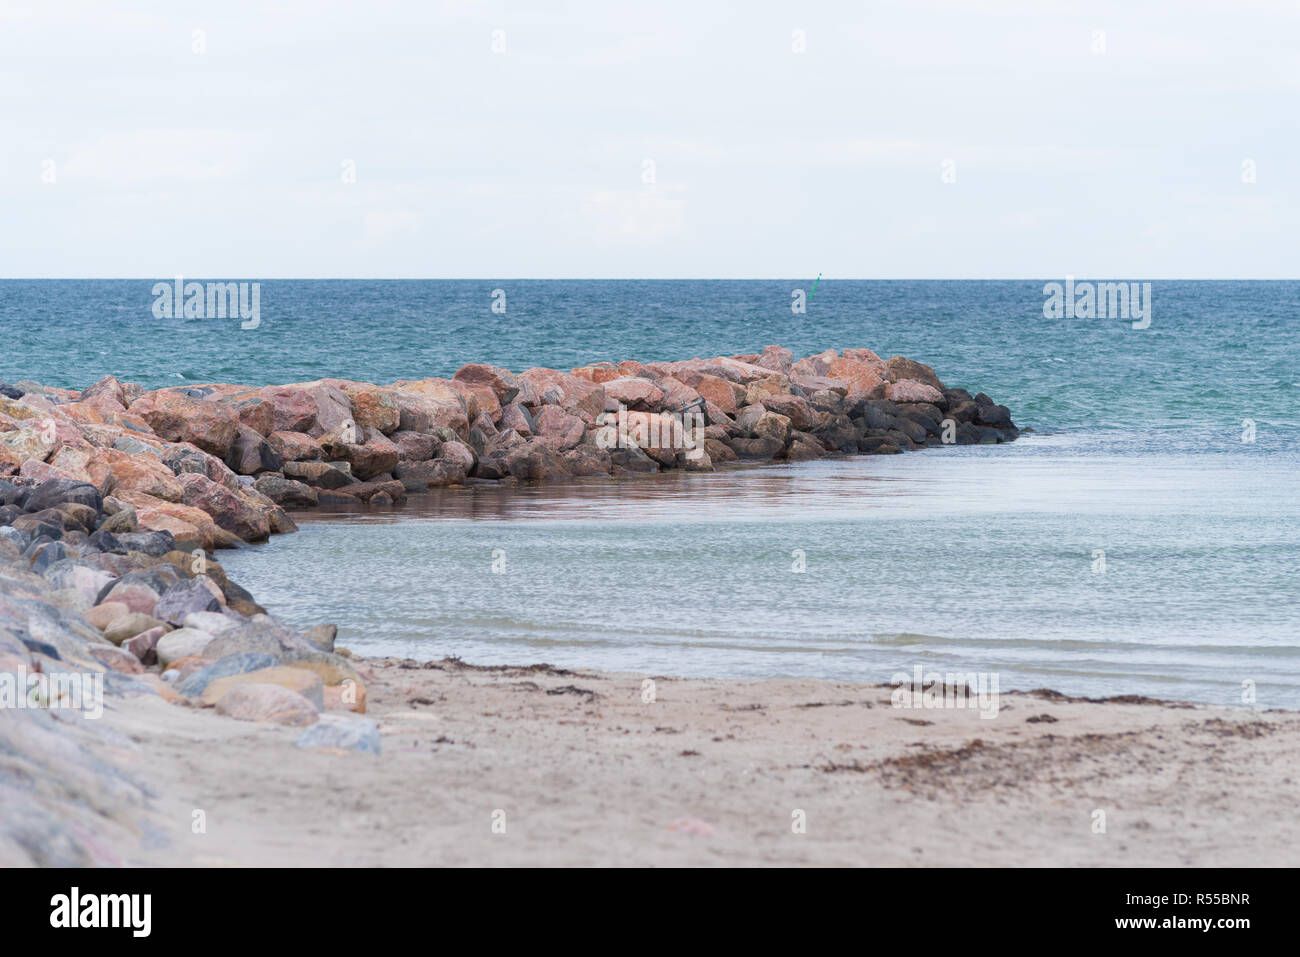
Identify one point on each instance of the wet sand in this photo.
(582, 770)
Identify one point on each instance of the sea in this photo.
(1141, 538)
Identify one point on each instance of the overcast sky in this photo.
(532, 162)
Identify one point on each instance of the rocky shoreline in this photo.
(113, 500)
(217, 465)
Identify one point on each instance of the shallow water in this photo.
(958, 560)
(964, 559)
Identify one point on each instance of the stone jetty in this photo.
(216, 465)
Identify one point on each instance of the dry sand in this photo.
(712, 773)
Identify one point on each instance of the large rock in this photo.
(427, 405)
(634, 393)
(503, 383)
(574, 394)
(342, 733)
(415, 446)
(127, 626)
(58, 491)
(225, 665)
(250, 453)
(558, 429)
(332, 407)
(328, 475)
(186, 415)
(231, 511)
(801, 415)
(588, 460)
(912, 390)
(183, 598)
(776, 358)
(181, 643)
(535, 461)
(294, 409)
(721, 392)
(376, 455)
(286, 492)
(306, 683)
(144, 473)
(268, 703)
(373, 407)
(295, 446)
(187, 459)
(144, 646)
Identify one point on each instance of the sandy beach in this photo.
(713, 773)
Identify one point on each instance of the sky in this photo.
(694, 139)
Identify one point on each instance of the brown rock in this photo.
(901, 368)
(266, 702)
(503, 383)
(179, 415)
(911, 390)
(801, 415)
(634, 393)
(230, 510)
(295, 446)
(103, 614)
(306, 683)
(557, 428)
(720, 392)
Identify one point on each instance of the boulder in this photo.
(145, 473)
(181, 643)
(102, 615)
(225, 665)
(266, 702)
(250, 453)
(306, 683)
(558, 429)
(294, 409)
(574, 394)
(535, 461)
(776, 358)
(60, 491)
(633, 393)
(802, 416)
(231, 511)
(185, 415)
(428, 405)
(912, 390)
(415, 446)
(144, 645)
(341, 733)
(328, 475)
(129, 625)
(295, 446)
(374, 456)
(181, 599)
(503, 383)
(331, 406)
(901, 369)
(286, 492)
(587, 460)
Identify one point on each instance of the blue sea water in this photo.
(970, 559)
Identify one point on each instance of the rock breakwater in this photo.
(215, 465)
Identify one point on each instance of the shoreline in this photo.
(579, 769)
(108, 577)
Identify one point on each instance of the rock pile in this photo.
(217, 464)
